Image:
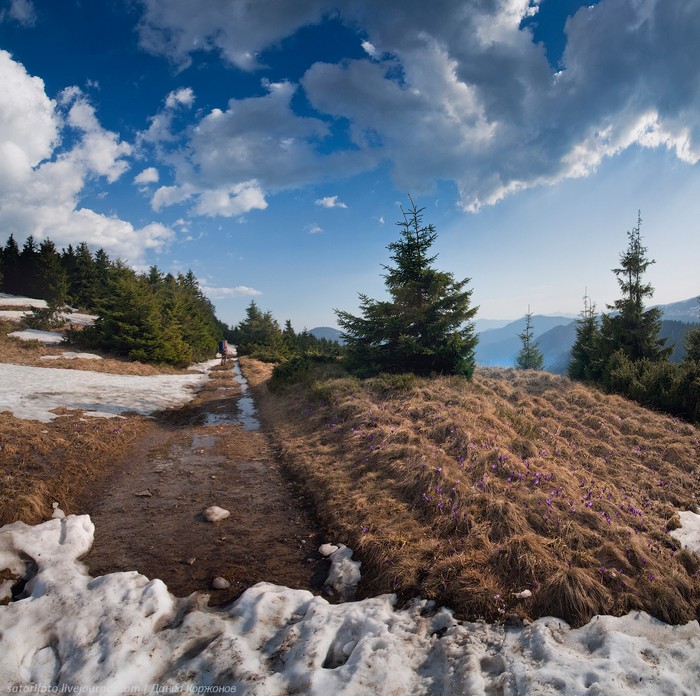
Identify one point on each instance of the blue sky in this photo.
(268, 146)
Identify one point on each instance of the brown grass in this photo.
(21, 352)
(469, 492)
(45, 462)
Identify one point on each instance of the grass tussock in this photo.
(45, 462)
(471, 492)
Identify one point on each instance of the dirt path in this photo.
(148, 514)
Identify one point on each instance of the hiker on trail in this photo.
(223, 350)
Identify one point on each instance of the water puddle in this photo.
(246, 406)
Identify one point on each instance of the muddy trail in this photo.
(149, 516)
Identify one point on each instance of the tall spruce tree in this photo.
(630, 327)
(426, 325)
(529, 357)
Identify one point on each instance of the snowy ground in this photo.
(125, 633)
(33, 392)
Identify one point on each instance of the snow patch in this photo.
(36, 335)
(33, 392)
(123, 632)
(70, 355)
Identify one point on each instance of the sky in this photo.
(271, 146)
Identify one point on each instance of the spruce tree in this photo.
(630, 327)
(10, 266)
(585, 360)
(529, 357)
(51, 278)
(426, 325)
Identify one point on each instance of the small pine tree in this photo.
(585, 363)
(529, 357)
(426, 326)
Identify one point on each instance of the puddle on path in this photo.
(246, 406)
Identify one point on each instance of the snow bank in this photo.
(688, 534)
(36, 335)
(122, 632)
(12, 314)
(17, 301)
(32, 392)
(71, 355)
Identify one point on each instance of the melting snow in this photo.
(125, 633)
(36, 335)
(33, 392)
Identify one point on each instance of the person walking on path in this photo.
(223, 350)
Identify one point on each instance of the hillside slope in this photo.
(473, 493)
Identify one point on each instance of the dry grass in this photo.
(45, 462)
(21, 352)
(470, 492)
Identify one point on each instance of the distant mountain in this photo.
(501, 346)
(327, 332)
(686, 310)
(481, 325)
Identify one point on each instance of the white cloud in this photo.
(147, 176)
(330, 202)
(180, 97)
(314, 229)
(41, 184)
(224, 293)
(369, 49)
(239, 30)
(231, 202)
(170, 195)
(475, 95)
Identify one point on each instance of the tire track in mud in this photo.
(148, 512)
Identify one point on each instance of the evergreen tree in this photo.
(529, 357)
(631, 328)
(10, 267)
(289, 337)
(52, 282)
(692, 345)
(585, 360)
(129, 322)
(104, 275)
(201, 329)
(426, 326)
(28, 269)
(82, 279)
(259, 331)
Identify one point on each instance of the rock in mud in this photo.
(215, 514)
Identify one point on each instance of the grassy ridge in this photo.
(471, 492)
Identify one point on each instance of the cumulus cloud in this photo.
(41, 180)
(180, 97)
(235, 158)
(239, 30)
(453, 91)
(330, 202)
(147, 176)
(224, 293)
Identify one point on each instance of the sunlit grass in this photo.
(470, 492)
